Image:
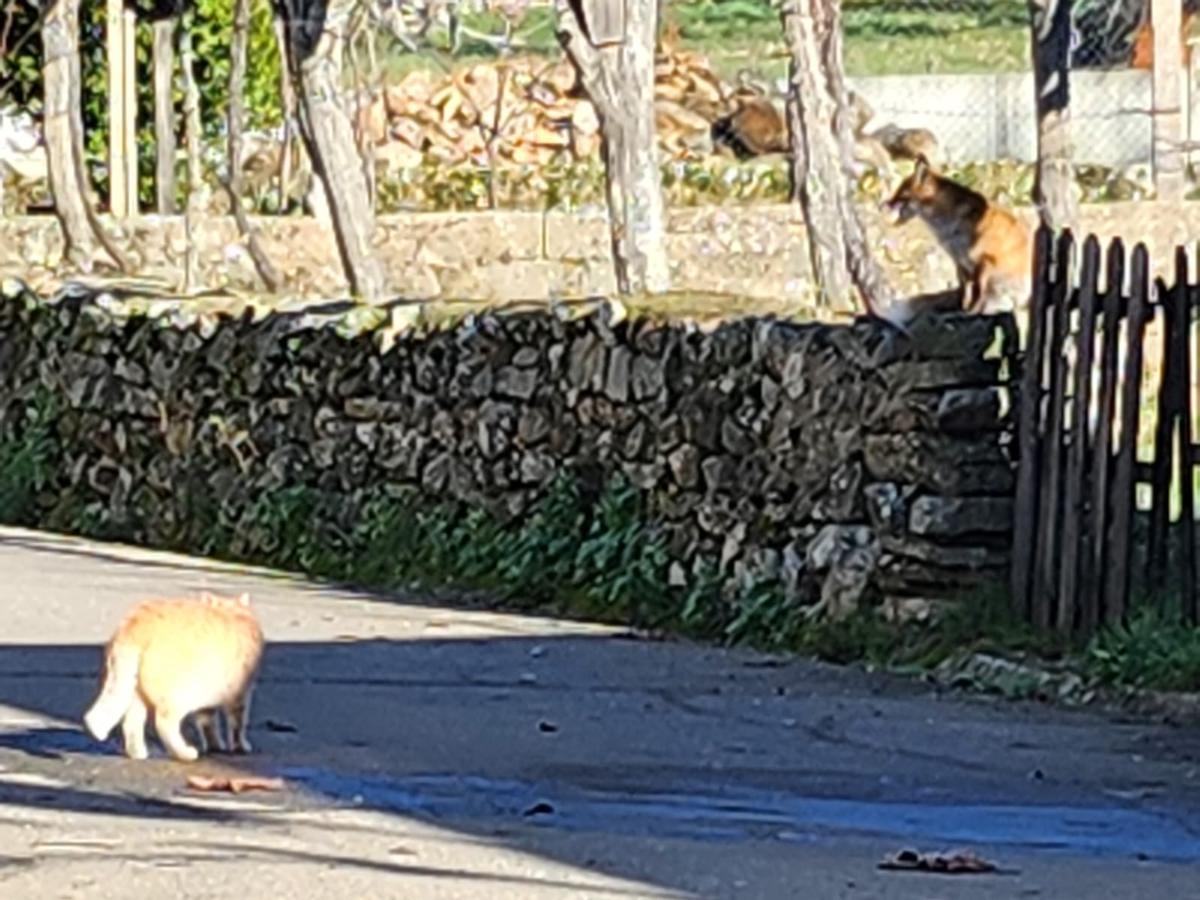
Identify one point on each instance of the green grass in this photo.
(1153, 650)
(880, 37)
(900, 38)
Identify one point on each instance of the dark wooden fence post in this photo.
(1049, 525)
(1116, 587)
(1074, 532)
(1181, 393)
(1025, 511)
(1102, 451)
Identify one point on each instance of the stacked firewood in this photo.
(528, 112)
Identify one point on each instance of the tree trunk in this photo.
(236, 119)
(823, 158)
(164, 114)
(121, 63)
(63, 131)
(196, 195)
(1170, 182)
(287, 91)
(316, 44)
(1054, 190)
(619, 80)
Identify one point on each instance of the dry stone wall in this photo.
(838, 459)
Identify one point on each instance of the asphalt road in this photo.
(437, 752)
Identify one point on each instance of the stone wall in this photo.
(767, 447)
(756, 252)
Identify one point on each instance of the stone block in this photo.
(958, 516)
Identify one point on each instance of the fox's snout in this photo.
(894, 210)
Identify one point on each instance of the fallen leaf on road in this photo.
(235, 785)
(962, 862)
(547, 727)
(539, 809)
(275, 725)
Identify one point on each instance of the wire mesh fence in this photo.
(962, 69)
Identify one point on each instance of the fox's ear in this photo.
(921, 170)
(244, 598)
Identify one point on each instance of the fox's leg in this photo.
(239, 721)
(133, 729)
(966, 287)
(983, 290)
(983, 282)
(166, 723)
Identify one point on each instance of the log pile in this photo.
(529, 112)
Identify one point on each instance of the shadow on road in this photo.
(499, 739)
(510, 739)
(586, 748)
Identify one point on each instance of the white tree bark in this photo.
(164, 113)
(823, 158)
(63, 130)
(236, 119)
(619, 80)
(316, 33)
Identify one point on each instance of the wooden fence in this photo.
(1109, 359)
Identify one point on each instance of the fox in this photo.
(991, 247)
(1141, 54)
(909, 143)
(755, 127)
(176, 658)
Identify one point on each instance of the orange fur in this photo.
(1141, 56)
(754, 128)
(991, 248)
(172, 658)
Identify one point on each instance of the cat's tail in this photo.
(117, 692)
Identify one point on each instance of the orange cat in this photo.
(174, 658)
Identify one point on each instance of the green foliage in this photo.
(1154, 650)
(213, 39)
(20, 57)
(698, 182)
(595, 557)
(212, 31)
(28, 461)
